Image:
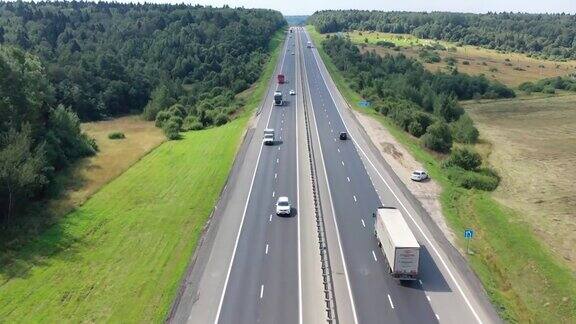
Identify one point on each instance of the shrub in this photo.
(472, 180)
(549, 89)
(415, 129)
(437, 137)
(450, 60)
(386, 44)
(221, 119)
(161, 117)
(464, 158)
(465, 62)
(464, 131)
(171, 129)
(192, 123)
(116, 135)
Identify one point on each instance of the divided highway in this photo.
(255, 267)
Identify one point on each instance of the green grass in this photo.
(120, 257)
(524, 281)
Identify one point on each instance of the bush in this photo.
(192, 123)
(451, 61)
(171, 129)
(221, 119)
(464, 131)
(161, 117)
(472, 180)
(429, 56)
(465, 62)
(464, 158)
(116, 135)
(549, 89)
(415, 129)
(437, 137)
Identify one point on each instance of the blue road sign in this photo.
(364, 103)
(468, 233)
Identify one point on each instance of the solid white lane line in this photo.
(266, 249)
(374, 255)
(354, 196)
(261, 291)
(300, 314)
(390, 299)
(363, 224)
(346, 276)
(245, 208)
(444, 264)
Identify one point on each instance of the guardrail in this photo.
(329, 299)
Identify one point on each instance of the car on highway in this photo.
(292, 92)
(283, 206)
(419, 175)
(343, 136)
(292, 53)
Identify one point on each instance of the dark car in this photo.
(343, 136)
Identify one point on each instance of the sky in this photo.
(306, 7)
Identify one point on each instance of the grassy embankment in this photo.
(509, 68)
(120, 256)
(524, 281)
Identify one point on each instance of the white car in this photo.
(419, 175)
(283, 206)
(292, 92)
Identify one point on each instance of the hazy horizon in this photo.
(301, 7)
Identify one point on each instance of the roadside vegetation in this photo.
(66, 62)
(544, 35)
(121, 255)
(509, 68)
(524, 280)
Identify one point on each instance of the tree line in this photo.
(66, 62)
(547, 35)
(420, 102)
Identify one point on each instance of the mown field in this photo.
(121, 255)
(525, 282)
(509, 68)
(114, 157)
(532, 143)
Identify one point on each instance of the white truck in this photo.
(268, 136)
(278, 98)
(309, 44)
(398, 244)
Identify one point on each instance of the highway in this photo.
(253, 266)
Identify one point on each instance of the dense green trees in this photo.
(62, 62)
(107, 59)
(37, 139)
(547, 35)
(423, 103)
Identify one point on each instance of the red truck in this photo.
(280, 78)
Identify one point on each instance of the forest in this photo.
(550, 36)
(66, 62)
(420, 102)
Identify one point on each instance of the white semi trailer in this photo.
(398, 243)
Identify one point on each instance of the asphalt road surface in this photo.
(253, 266)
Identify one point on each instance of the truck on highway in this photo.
(281, 79)
(398, 243)
(268, 136)
(278, 98)
(309, 44)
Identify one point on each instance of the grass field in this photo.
(121, 255)
(509, 68)
(113, 158)
(524, 280)
(532, 143)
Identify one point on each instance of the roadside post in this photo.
(468, 235)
